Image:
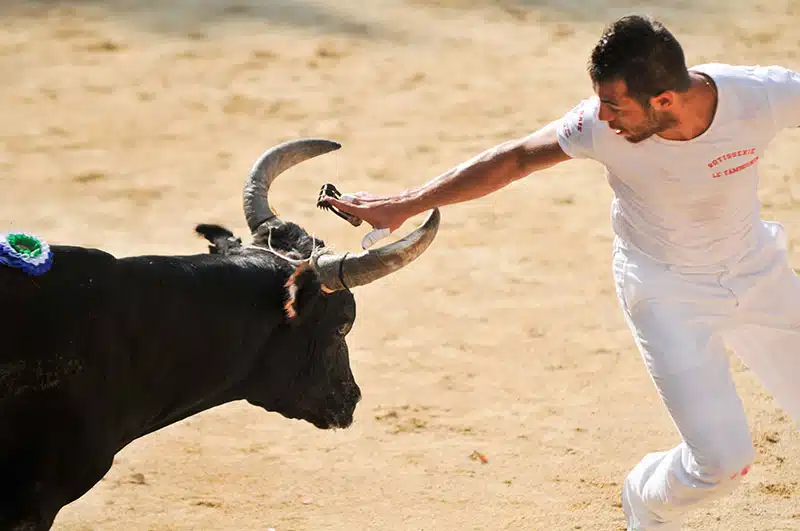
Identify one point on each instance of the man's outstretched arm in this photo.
(481, 175)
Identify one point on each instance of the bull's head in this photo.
(319, 308)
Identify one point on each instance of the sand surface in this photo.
(124, 123)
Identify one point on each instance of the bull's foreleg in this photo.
(27, 525)
(33, 506)
(46, 465)
(24, 517)
(21, 493)
(28, 505)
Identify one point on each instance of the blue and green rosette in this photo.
(25, 251)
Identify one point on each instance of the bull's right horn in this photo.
(269, 165)
(349, 271)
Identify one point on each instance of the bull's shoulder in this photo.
(78, 281)
(50, 319)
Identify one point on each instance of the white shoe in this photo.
(631, 522)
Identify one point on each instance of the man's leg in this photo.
(674, 319)
(689, 367)
(768, 338)
(774, 357)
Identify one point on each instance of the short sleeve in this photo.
(783, 91)
(574, 133)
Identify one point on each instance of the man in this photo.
(695, 267)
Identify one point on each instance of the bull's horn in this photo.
(272, 163)
(339, 271)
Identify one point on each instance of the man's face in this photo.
(629, 118)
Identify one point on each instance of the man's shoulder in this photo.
(742, 74)
(575, 129)
(580, 116)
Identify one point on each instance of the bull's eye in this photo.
(344, 329)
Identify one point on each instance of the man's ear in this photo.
(663, 101)
(302, 290)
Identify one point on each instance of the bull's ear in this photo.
(303, 289)
(223, 241)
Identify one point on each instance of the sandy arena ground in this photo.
(125, 123)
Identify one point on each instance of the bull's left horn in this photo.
(269, 165)
(339, 271)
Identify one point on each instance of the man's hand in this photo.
(382, 212)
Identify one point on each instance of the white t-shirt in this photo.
(695, 202)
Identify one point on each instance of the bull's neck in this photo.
(203, 338)
(166, 401)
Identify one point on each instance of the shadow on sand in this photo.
(205, 16)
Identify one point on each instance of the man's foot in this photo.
(631, 522)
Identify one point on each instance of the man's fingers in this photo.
(366, 211)
(374, 235)
(347, 203)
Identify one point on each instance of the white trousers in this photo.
(682, 320)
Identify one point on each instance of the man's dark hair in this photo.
(644, 54)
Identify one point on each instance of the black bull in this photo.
(100, 351)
